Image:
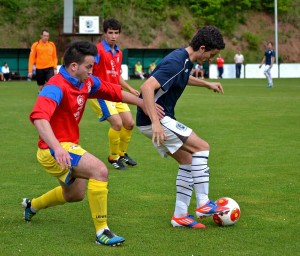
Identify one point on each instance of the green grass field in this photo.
(254, 134)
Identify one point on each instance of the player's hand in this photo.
(63, 158)
(158, 134)
(134, 92)
(160, 111)
(216, 87)
(29, 75)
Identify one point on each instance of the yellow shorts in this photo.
(105, 108)
(47, 160)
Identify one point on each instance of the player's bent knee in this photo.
(117, 126)
(100, 173)
(129, 126)
(203, 146)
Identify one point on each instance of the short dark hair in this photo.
(45, 30)
(210, 37)
(111, 24)
(77, 51)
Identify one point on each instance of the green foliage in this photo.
(188, 29)
(141, 19)
(12, 5)
(225, 14)
(8, 10)
(253, 40)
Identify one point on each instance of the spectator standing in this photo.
(220, 65)
(43, 56)
(107, 67)
(239, 60)
(268, 60)
(138, 70)
(6, 73)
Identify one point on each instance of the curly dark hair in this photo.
(111, 24)
(210, 37)
(78, 50)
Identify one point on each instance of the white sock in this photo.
(200, 174)
(184, 190)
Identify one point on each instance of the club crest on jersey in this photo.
(80, 100)
(181, 126)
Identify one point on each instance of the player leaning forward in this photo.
(56, 115)
(165, 86)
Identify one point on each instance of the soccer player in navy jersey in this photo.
(170, 137)
(268, 59)
(56, 116)
(108, 68)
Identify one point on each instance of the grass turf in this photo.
(254, 137)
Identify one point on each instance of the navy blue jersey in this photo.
(172, 73)
(269, 54)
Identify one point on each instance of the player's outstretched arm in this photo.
(131, 99)
(127, 87)
(215, 86)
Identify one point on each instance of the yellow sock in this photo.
(97, 196)
(125, 137)
(51, 198)
(114, 143)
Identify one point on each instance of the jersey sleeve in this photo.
(32, 56)
(106, 91)
(43, 109)
(166, 74)
(47, 101)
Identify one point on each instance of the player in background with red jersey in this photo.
(108, 68)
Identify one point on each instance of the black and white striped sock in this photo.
(184, 190)
(200, 174)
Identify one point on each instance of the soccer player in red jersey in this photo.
(108, 68)
(56, 116)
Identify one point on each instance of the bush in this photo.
(252, 40)
(188, 29)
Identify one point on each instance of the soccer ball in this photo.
(227, 219)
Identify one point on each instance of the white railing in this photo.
(291, 70)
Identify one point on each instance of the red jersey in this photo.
(107, 64)
(220, 62)
(62, 102)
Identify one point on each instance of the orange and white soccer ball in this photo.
(227, 219)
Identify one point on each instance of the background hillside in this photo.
(247, 25)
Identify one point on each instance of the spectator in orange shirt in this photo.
(43, 56)
(220, 64)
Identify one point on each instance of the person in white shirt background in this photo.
(6, 72)
(239, 60)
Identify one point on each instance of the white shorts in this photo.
(177, 133)
(267, 68)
